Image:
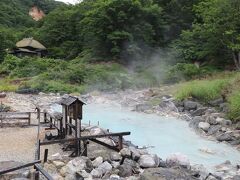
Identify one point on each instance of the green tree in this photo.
(216, 30)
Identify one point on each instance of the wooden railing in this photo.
(15, 116)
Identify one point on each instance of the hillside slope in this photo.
(15, 13)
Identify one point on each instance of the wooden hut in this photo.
(29, 47)
(72, 111)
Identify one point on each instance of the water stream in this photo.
(166, 135)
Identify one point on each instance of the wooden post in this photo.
(85, 143)
(45, 117)
(50, 122)
(61, 128)
(45, 155)
(70, 128)
(29, 118)
(120, 143)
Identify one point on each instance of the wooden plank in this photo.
(44, 173)
(19, 167)
(106, 145)
(84, 138)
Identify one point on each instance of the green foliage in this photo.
(204, 90)
(234, 106)
(215, 32)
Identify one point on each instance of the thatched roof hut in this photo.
(29, 47)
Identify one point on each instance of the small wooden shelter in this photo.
(29, 47)
(72, 115)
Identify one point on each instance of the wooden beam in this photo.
(19, 167)
(44, 173)
(106, 145)
(84, 138)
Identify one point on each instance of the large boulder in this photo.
(214, 129)
(105, 167)
(77, 164)
(166, 174)
(216, 102)
(115, 156)
(195, 121)
(190, 105)
(149, 161)
(204, 126)
(199, 112)
(142, 107)
(126, 153)
(178, 159)
(97, 161)
(125, 170)
(225, 137)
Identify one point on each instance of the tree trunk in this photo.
(236, 58)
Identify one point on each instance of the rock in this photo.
(178, 159)
(195, 121)
(211, 120)
(149, 161)
(96, 173)
(201, 170)
(237, 126)
(134, 165)
(125, 170)
(214, 129)
(77, 164)
(219, 120)
(168, 105)
(226, 122)
(166, 174)
(224, 107)
(83, 174)
(96, 131)
(125, 152)
(190, 105)
(56, 157)
(105, 167)
(114, 177)
(115, 156)
(97, 161)
(216, 102)
(115, 164)
(142, 107)
(199, 112)
(225, 137)
(50, 168)
(135, 154)
(204, 126)
(58, 164)
(3, 95)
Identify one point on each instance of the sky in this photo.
(69, 1)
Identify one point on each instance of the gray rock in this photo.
(97, 161)
(126, 152)
(226, 122)
(195, 121)
(211, 120)
(96, 131)
(125, 170)
(134, 165)
(199, 112)
(142, 107)
(115, 156)
(214, 129)
(225, 137)
(135, 154)
(58, 164)
(105, 167)
(114, 177)
(204, 126)
(224, 107)
(77, 164)
(216, 102)
(149, 161)
(178, 159)
(96, 173)
(190, 105)
(177, 173)
(3, 95)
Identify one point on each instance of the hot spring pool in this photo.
(166, 135)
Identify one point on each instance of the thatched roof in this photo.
(30, 42)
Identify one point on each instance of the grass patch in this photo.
(204, 90)
(234, 106)
(7, 86)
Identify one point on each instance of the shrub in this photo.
(204, 90)
(234, 106)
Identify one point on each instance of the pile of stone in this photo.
(207, 121)
(129, 164)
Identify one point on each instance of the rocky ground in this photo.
(132, 163)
